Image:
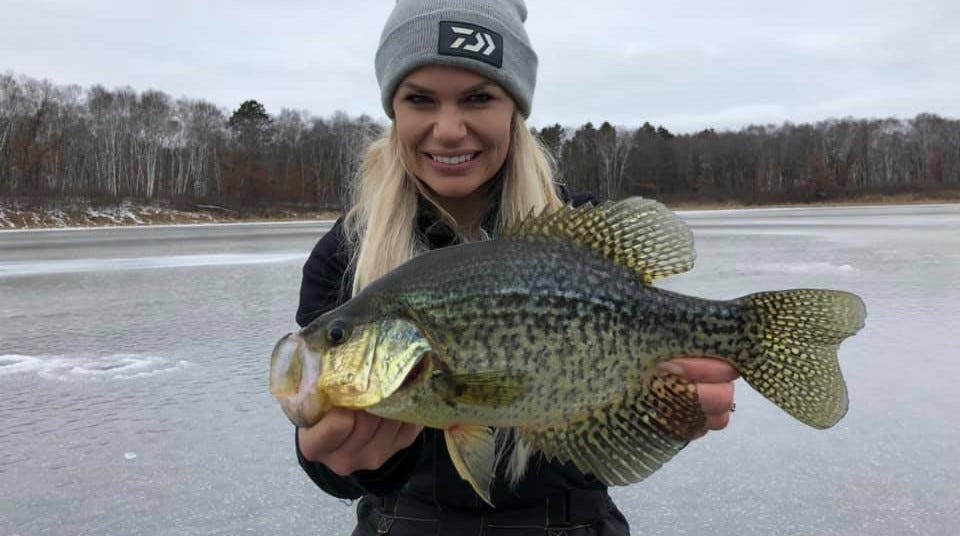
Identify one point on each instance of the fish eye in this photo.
(338, 332)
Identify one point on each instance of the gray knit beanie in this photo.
(484, 36)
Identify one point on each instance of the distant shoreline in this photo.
(866, 201)
(304, 221)
(34, 216)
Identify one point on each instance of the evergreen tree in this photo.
(552, 139)
(251, 127)
(251, 124)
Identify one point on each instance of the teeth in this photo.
(452, 160)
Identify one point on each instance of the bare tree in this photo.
(111, 144)
(613, 152)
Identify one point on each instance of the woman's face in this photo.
(454, 128)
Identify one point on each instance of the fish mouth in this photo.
(294, 372)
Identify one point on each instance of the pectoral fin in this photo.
(487, 389)
(492, 389)
(473, 451)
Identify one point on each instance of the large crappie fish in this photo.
(552, 332)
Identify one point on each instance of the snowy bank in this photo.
(20, 214)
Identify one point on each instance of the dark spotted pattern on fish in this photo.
(554, 331)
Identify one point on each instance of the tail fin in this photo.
(791, 350)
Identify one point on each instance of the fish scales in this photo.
(550, 334)
(485, 318)
(528, 312)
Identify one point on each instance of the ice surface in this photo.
(64, 266)
(215, 453)
(797, 268)
(90, 368)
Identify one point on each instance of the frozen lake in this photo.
(133, 383)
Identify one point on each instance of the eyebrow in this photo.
(421, 89)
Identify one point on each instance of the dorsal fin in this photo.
(636, 233)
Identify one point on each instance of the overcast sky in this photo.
(687, 65)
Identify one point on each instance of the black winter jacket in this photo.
(420, 482)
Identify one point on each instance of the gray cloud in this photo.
(698, 64)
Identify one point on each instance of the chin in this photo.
(454, 188)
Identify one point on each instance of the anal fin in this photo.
(473, 451)
(628, 440)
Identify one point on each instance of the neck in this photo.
(468, 211)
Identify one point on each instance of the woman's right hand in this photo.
(347, 440)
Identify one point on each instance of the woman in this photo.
(457, 164)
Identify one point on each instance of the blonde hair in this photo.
(381, 226)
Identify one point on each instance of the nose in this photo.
(449, 126)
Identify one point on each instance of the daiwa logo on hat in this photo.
(471, 41)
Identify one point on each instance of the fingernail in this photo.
(672, 368)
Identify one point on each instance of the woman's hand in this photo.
(346, 440)
(714, 380)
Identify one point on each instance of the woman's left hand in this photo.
(714, 379)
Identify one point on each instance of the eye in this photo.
(479, 98)
(417, 99)
(338, 332)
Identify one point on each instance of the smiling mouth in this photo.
(453, 160)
